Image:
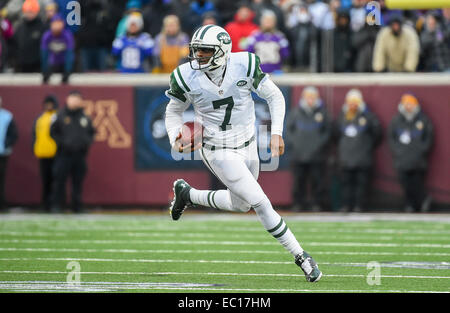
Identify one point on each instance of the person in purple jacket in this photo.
(57, 50)
(269, 44)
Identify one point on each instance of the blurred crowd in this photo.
(288, 35)
(356, 134)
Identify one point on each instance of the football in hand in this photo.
(191, 132)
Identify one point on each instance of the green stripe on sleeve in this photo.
(258, 75)
(249, 64)
(182, 80)
(209, 199)
(212, 198)
(175, 89)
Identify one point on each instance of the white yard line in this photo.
(195, 228)
(54, 286)
(325, 217)
(248, 262)
(220, 274)
(232, 243)
(263, 235)
(212, 251)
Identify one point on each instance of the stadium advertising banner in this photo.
(130, 164)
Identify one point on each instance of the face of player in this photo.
(57, 27)
(204, 54)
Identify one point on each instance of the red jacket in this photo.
(239, 31)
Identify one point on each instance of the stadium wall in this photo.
(117, 105)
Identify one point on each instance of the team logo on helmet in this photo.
(224, 38)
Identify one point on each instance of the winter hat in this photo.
(134, 4)
(31, 6)
(135, 18)
(52, 99)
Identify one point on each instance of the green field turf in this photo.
(220, 253)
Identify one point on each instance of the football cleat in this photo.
(180, 200)
(309, 267)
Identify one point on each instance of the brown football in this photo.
(191, 132)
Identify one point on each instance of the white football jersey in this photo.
(227, 111)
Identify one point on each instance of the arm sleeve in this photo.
(174, 118)
(275, 99)
(11, 135)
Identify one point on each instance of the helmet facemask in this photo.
(205, 63)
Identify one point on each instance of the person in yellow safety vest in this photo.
(44, 147)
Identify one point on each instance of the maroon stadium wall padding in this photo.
(113, 180)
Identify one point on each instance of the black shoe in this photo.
(181, 199)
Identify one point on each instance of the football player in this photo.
(218, 84)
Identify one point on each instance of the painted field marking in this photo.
(263, 235)
(195, 228)
(116, 286)
(220, 274)
(239, 243)
(248, 262)
(216, 251)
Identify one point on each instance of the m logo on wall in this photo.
(104, 118)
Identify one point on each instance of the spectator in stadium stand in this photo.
(8, 138)
(410, 138)
(57, 50)
(308, 132)
(359, 133)
(241, 28)
(209, 18)
(363, 42)
(302, 38)
(44, 147)
(96, 33)
(13, 9)
(358, 14)
(171, 46)
(27, 39)
(132, 6)
(134, 48)
(435, 45)
(269, 44)
(262, 6)
(342, 44)
(73, 133)
(396, 48)
(51, 9)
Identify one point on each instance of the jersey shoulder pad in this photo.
(180, 80)
(252, 67)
